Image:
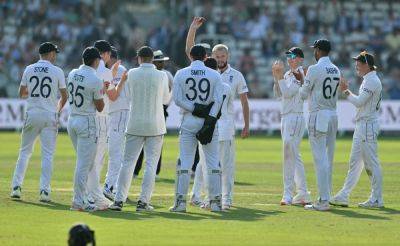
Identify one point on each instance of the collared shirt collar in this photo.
(197, 63)
(228, 70)
(89, 68)
(324, 59)
(369, 75)
(44, 61)
(145, 64)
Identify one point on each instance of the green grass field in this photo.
(256, 219)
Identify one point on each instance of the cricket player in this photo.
(226, 125)
(286, 88)
(320, 87)
(159, 61)
(148, 91)
(85, 98)
(118, 113)
(200, 178)
(199, 92)
(94, 187)
(364, 151)
(40, 84)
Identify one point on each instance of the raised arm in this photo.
(196, 23)
(306, 88)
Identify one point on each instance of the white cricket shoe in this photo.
(179, 207)
(339, 201)
(102, 204)
(318, 206)
(108, 193)
(302, 199)
(142, 206)
(215, 206)
(371, 204)
(116, 206)
(195, 201)
(88, 208)
(44, 196)
(16, 192)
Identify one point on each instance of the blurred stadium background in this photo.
(257, 32)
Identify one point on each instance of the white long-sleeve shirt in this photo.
(148, 92)
(321, 85)
(288, 93)
(369, 97)
(43, 81)
(122, 102)
(104, 74)
(197, 84)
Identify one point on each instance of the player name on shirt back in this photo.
(41, 70)
(198, 72)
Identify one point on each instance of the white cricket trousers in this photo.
(37, 123)
(82, 131)
(133, 147)
(323, 147)
(116, 134)
(364, 152)
(227, 162)
(187, 150)
(294, 178)
(94, 187)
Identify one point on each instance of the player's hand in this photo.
(197, 22)
(124, 77)
(344, 84)
(277, 70)
(106, 84)
(299, 76)
(245, 132)
(114, 68)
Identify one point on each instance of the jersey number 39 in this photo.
(201, 90)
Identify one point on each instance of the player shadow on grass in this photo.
(353, 214)
(236, 213)
(48, 205)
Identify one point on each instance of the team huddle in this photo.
(123, 113)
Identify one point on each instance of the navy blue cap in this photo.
(91, 53)
(322, 44)
(145, 51)
(114, 52)
(102, 45)
(198, 51)
(48, 47)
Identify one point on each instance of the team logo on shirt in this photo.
(231, 79)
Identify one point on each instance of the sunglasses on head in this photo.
(290, 56)
(364, 54)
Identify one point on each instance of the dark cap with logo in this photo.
(145, 51)
(322, 44)
(81, 234)
(102, 45)
(114, 52)
(367, 58)
(91, 53)
(295, 51)
(48, 47)
(198, 51)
